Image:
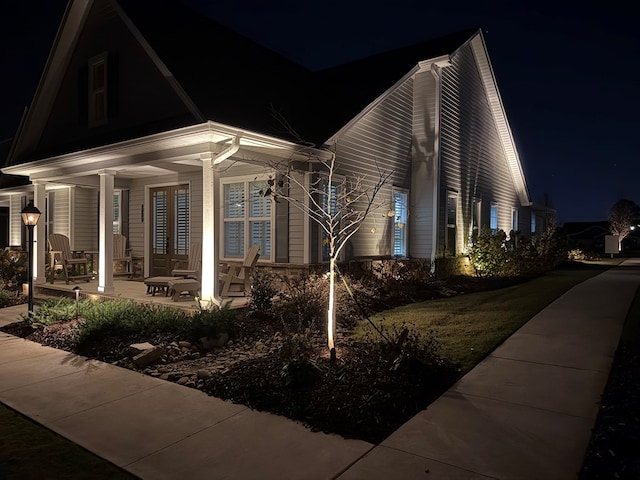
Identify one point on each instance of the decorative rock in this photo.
(149, 356)
(138, 348)
(184, 344)
(183, 380)
(204, 374)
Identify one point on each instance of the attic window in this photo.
(98, 90)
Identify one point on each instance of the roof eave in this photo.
(497, 108)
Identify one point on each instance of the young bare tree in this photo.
(338, 204)
(623, 215)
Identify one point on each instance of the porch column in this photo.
(105, 271)
(210, 234)
(40, 243)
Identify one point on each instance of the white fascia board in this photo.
(422, 65)
(497, 108)
(192, 140)
(63, 47)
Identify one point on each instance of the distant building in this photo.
(587, 236)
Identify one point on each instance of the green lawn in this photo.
(469, 327)
(30, 451)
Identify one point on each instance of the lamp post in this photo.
(30, 217)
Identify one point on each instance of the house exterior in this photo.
(164, 126)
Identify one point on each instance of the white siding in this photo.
(296, 226)
(423, 166)
(136, 225)
(15, 222)
(59, 208)
(85, 221)
(382, 136)
(472, 158)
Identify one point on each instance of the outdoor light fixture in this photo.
(76, 290)
(30, 217)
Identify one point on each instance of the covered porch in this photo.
(180, 170)
(133, 289)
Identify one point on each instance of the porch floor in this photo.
(133, 289)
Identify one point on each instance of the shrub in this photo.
(262, 290)
(209, 322)
(53, 310)
(124, 317)
(576, 254)
(299, 370)
(496, 255)
(489, 254)
(9, 298)
(302, 301)
(13, 268)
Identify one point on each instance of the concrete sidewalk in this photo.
(524, 412)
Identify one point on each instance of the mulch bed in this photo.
(362, 395)
(614, 450)
(359, 396)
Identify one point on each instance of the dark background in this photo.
(568, 73)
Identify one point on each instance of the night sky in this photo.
(568, 75)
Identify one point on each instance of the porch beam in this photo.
(105, 269)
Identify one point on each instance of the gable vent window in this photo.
(98, 90)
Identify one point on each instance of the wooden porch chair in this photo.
(120, 252)
(191, 268)
(73, 267)
(236, 281)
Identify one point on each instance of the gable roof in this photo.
(254, 84)
(227, 78)
(343, 91)
(230, 78)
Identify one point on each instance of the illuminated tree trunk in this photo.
(331, 312)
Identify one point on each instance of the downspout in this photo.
(435, 71)
(229, 151)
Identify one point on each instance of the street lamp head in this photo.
(30, 215)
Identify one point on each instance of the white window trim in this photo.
(246, 179)
(534, 223)
(323, 178)
(515, 219)
(93, 61)
(118, 223)
(405, 192)
(497, 227)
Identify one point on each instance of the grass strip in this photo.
(469, 327)
(31, 451)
